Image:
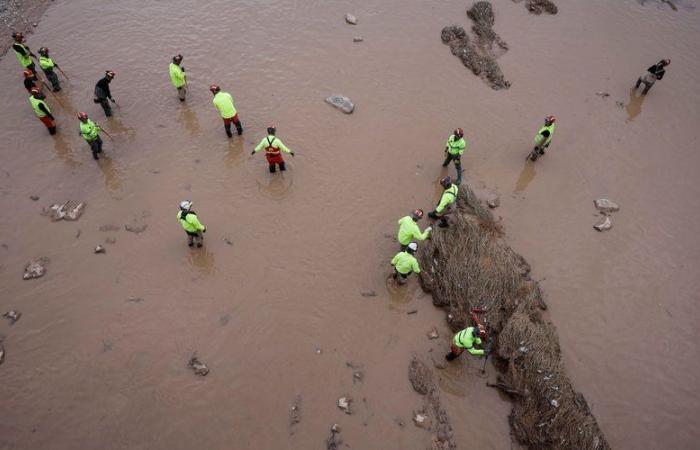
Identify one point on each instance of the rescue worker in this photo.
(47, 65)
(102, 92)
(42, 110)
(90, 131)
(224, 103)
(405, 263)
(543, 138)
(273, 150)
(447, 199)
(409, 230)
(655, 72)
(22, 52)
(189, 221)
(454, 148)
(30, 80)
(465, 340)
(177, 77)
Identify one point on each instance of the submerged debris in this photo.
(605, 205)
(357, 39)
(341, 102)
(421, 419)
(350, 19)
(69, 210)
(35, 268)
(34, 197)
(12, 315)
(344, 404)
(294, 414)
(433, 334)
(197, 366)
(420, 376)
(368, 293)
(100, 249)
(540, 6)
(603, 224)
(2, 350)
(333, 442)
(494, 202)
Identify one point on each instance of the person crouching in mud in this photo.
(405, 263)
(190, 223)
(465, 340)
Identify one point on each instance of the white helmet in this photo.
(185, 205)
(413, 246)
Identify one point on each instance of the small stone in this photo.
(350, 19)
(134, 299)
(494, 202)
(74, 211)
(12, 315)
(227, 240)
(620, 104)
(344, 404)
(604, 224)
(357, 39)
(605, 205)
(335, 428)
(341, 102)
(413, 311)
(318, 350)
(136, 227)
(368, 294)
(433, 334)
(554, 403)
(602, 94)
(197, 366)
(35, 268)
(100, 249)
(421, 420)
(34, 197)
(35, 24)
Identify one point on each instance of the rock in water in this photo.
(604, 224)
(100, 249)
(605, 205)
(197, 366)
(74, 211)
(357, 39)
(349, 18)
(421, 420)
(420, 376)
(34, 197)
(13, 316)
(494, 202)
(342, 103)
(344, 404)
(35, 268)
(433, 334)
(2, 350)
(294, 414)
(65, 211)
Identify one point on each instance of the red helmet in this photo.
(35, 91)
(17, 36)
(459, 133)
(82, 115)
(28, 73)
(214, 88)
(550, 120)
(43, 51)
(417, 214)
(109, 74)
(446, 181)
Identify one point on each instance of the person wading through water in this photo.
(90, 131)
(454, 149)
(22, 52)
(405, 263)
(47, 65)
(190, 223)
(654, 73)
(102, 92)
(224, 103)
(178, 78)
(42, 111)
(409, 230)
(273, 150)
(543, 138)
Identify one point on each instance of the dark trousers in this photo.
(458, 164)
(53, 78)
(402, 278)
(195, 238)
(235, 121)
(96, 147)
(281, 164)
(104, 103)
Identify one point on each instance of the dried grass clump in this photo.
(468, 265)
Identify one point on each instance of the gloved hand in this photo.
(429, 229)
(112, 100)
(432, 215)
(292, 153)
(253, 152)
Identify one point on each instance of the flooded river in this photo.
(99, 357)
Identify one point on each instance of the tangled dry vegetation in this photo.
(470, 266)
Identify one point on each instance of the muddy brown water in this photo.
(87, 368)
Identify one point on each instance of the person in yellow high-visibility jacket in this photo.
(273, 150)
(454, 149)
(543, 138)
(405, 263)
(42, 110)
(190, 223)
(47, 65)
(224, 103)
(409, 230)
(447, 199)
(178, 78)
(466, 340)
(22, 52)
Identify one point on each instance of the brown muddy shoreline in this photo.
(19, 16)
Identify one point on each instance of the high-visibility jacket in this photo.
(224, 103)
(449, 196)
(455, 146)
(177, 75)
(89, 130)
(46, 63)
(409, 230)
(35, 102)
(272, 146)
(544, 141)
(405, 263)
(466, 339)
(190, 222)
(24, 59)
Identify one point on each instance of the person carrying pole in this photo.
(22, 52)
(42, 110)
(102, 92)
(405, 263)
(409, 230)
(454, 149)
(466, 340)
(190, 223)
(447, 199)
(47, 65)
(273, 150)
(543, 138)
(178, 78)
(90, 131)
(224, 103)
